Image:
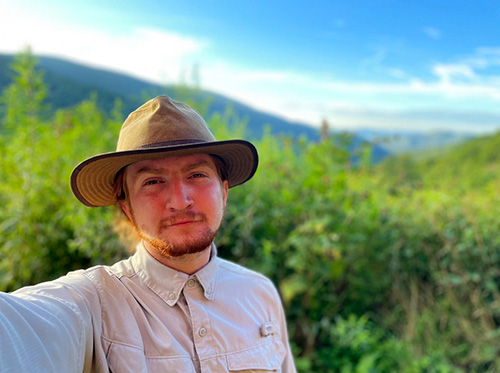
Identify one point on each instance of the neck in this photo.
(188, 263)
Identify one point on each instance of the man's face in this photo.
(176, 203)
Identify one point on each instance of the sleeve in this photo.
(288, 365)
(46, 328)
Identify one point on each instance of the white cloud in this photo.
(145, 52)
(448, 73)
(309, 98)
(150, 53)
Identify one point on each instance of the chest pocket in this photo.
(265, 358)
(123, 359)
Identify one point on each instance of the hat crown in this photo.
(162, 121)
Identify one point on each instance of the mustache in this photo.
(182, 218)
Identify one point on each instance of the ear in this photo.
(125, 207)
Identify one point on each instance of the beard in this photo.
(194, 241)
(189, 245)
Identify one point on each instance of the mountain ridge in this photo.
(62, 74)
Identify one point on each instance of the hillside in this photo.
(472, 164)
(70, 83)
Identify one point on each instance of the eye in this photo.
(151, 182)
(197, 175)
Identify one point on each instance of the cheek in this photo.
(145, 208)
(211, 201)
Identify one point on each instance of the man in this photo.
(174, 306)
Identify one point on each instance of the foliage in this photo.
(40, 222)
(388, 268)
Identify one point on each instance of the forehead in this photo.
(171, 163)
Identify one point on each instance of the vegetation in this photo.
(384, 268)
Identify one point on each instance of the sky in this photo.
(413, 65)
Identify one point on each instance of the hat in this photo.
(160, 128)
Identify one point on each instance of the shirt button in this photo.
(202, 332)
(171, 296)
(190, 283)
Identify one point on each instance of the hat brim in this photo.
(92, 181)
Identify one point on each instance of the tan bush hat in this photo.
(160, 128)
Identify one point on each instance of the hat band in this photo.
(170, 143)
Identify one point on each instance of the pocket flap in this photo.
(268, 356)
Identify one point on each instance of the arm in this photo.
(45, 328)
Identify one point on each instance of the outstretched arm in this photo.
(45, 328)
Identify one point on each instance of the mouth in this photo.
(181, 221)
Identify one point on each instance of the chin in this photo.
(171, 249)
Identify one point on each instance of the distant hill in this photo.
(476, 161)
(396, 142)
(69, 83)
(473, 164)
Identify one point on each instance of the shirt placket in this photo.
(203, 337)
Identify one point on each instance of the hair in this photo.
(119, 186)
(221, 167)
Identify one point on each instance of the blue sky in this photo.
(387, 64)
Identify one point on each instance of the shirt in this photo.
(142, 316)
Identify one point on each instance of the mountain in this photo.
(396, 142)
(69, 83)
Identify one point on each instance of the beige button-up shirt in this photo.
(141, 316)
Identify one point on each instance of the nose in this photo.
(178, 196)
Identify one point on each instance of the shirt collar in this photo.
(168, 283)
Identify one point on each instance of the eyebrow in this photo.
(149, 170)
(196, 165)
(160, 170)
